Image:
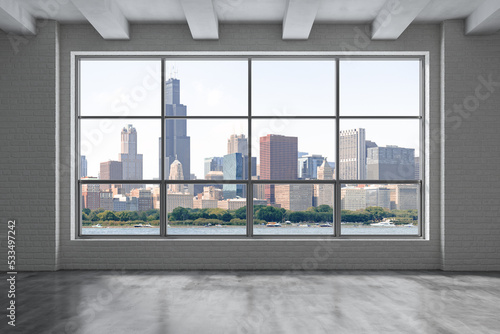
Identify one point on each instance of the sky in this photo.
(220, 88)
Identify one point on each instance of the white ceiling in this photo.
(18, 15)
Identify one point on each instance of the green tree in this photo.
(179, 213)
(270, 214)
(86, 211)
(324, 208)
(107, 215)
(241, 213)
(226, 217)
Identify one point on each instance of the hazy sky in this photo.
(132, 87)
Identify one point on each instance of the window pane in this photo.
(293, 87)
(289, 149)
(207, 149)
(296, 209)
(125, 209)
(120, 87)
(380, 87)
(206, 87)
(206, 209)
(119, 150)
(380, 209)
(379, 149)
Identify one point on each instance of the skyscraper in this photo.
(130, 159)
(212, 164)
(83, 166)
(110, 170)
(352, 154)
(390, 163)
(237, 144)
(177, 143)
(278, 160)
(176, 173)
(308, 166)
(323, 193)
(417, 168)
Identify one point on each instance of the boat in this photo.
(384, 224)
(138, 225)
(273, 224)
(288, 222)
(218, 225)
(97, 225)
(168, 225)
(409, 225)
(303, 225)
(326, 225)
(147, 225)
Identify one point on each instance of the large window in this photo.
(257, 146)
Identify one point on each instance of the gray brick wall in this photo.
(471, 150)
(28, 151)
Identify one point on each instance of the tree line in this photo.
(262, 215)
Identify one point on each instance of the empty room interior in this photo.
(250, 166)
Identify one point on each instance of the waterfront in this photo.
(258, 230)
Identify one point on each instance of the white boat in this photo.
(408, 225)
(303, 225)
(271, 224)
(147, 225)
(218, 225)
(384, 224)
(138, 225)
(97, 225)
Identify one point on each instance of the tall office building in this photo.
(90, 195)
(110, 170)
(295, 197)
(83, 166)
(176, 173)
(417, 168)
(352, 154)
(177, 142)
(323, 193)
(131, 161)
(278, 161)
(390, 163)
(308, 166)
(235, 167)
(237, 144)
(212, 164)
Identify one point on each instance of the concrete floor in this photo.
(97, 302)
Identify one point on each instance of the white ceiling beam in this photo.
(201, 18)
(299, 18)
(105, 16)
(395, 16)
(16, 19)
(485, 19)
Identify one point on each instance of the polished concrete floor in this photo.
(256, 302)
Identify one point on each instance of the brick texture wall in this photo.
(471, 150)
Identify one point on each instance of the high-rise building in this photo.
(131, 161)
(417, 168)
(278, 160)
(106, 199)
(323, 193)
(352, 154)
(83, 166)
(176, 173)
(212, 164)
(144, 199)
(237, 144)
(378, 196)
(90, 195)
(235, 167)
(404, 196)
(110, 170)
(308, 166)
(295, 197)
(390, 163)
(177, 142)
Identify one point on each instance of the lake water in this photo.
(258, 230)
